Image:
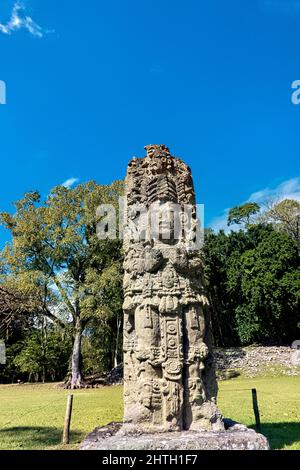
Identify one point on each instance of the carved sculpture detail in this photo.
(169, 377)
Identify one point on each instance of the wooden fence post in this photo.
(66, 434)
(256, 410)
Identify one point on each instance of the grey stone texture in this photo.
(169, 376)
(236, 437)
(256, 360)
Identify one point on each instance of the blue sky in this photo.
(89, 83)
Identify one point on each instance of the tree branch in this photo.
(52, 317)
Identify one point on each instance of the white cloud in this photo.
(70, 182)
(289, 189)
(19, 20)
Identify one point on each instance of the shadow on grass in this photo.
(280, 435)
(33, 437)
(28, 437)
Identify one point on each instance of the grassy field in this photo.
(31, 416)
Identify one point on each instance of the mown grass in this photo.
(31, 416)
(279, 405)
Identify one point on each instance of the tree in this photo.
(44, 353)
(285, 216)
(265, 283)
(220, 252)
(16, 321)
(57, 258)
(253, 285)
(16, 312)
(242, 214)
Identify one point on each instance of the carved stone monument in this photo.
(169, 380)
(170, 387)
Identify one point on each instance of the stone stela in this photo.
(169, 378)
(170, 386)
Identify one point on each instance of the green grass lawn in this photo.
(279, 405)
(32, 416)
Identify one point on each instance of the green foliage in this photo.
(253, 279)
(10, 372)
(55, 253)
(96, 351)
(242, 214)
(285, 216)
(260, 278)
(56, 257)
(102, 347)
(44, 355)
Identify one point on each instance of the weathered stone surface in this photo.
(236, 437)
(256, 360)
(169, 378)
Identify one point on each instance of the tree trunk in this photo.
(117, 342)
(76, 377)
(44, 375)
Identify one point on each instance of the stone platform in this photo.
(235, 437)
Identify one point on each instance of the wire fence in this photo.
(34, 410)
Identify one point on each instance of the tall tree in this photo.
(44, 353)
(285, 216)
(56, 256)
(243, 214)
(254, 286)
(16, 312)
(265, 281)
(221, 250)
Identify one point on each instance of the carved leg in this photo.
(146, 408)
(198, 412)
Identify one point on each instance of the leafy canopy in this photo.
(55, 255)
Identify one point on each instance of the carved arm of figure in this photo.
(153, 259)
(196, 266)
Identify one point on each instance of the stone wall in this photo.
(249, 361)
(255, 360)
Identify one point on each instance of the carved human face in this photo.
(165, 221)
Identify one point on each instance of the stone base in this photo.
(235, 437)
